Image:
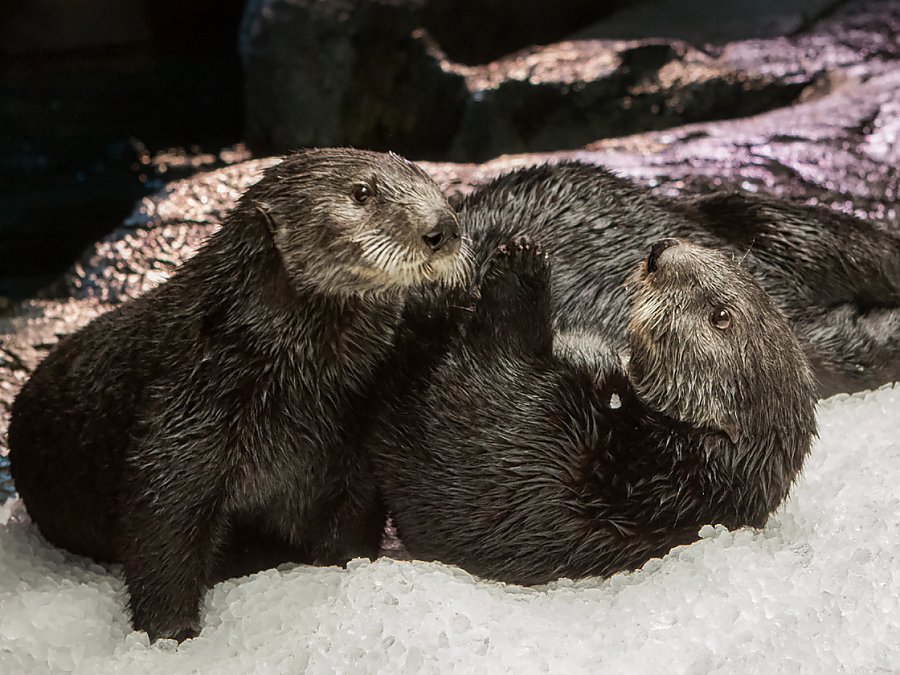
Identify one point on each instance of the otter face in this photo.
(358, 222)
(709, 348)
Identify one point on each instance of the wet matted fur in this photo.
(207, 428)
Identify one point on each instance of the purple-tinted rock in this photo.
(568, 94)
(315, 76)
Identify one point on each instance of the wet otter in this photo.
(524, 456)
(206, 428)
(836, 278)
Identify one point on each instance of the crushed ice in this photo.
(818, 590)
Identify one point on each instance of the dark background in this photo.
(90, 91)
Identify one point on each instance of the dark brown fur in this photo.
(525, 455)
(207, 428)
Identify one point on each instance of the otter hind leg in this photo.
(352, 526)
(854, 348)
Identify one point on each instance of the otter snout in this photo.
(443, 234)
(656, 251)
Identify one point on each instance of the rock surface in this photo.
(314, 74)
(371, 73)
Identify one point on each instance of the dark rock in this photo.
(346, 73)
(479, 31)
(368, 73)
(708, 21)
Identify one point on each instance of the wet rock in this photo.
(161, 233)
(569, 94)
(309, 68)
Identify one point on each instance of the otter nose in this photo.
(447, 230)
(656, 250)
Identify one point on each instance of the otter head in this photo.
(352, 222)
(709, 348)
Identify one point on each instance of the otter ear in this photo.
(265, 210)
(715, 442)
(731, 429)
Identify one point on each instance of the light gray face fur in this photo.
(363, 223)
(708, 347)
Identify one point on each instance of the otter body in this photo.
(836, 278)
(525, 455)
(206, 428)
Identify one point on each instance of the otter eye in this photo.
(721, 318)
(362, 193)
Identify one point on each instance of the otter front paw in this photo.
(528, 260)
(514, 309)
(164, 610)
(519, 268)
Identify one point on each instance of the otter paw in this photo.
(528, 260)
(172, 632)
(518, 270)
(522, 257)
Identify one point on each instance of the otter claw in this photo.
(529, 259)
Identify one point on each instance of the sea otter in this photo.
(836, 278)
(524, 454)
(207, 428)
